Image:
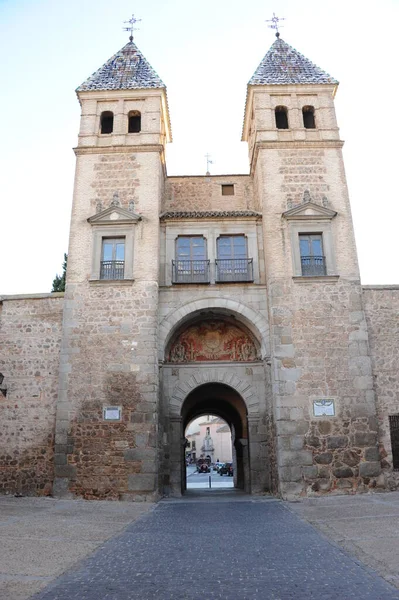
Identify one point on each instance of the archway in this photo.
(213, 364)
(225, 402)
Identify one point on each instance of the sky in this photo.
(204, 52)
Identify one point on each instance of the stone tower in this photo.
(323, 398)
(108, 364)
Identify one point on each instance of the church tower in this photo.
(108, 386)
(324, 405)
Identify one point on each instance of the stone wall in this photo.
(30, 336)
(381, 304)
(109, 348)
(318, 329)
(205, 193)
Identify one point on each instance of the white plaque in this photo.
(112, 413)
(324, 408)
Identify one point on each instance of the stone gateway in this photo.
(232, 295)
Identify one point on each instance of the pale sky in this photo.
(204, 52)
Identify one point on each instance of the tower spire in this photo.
(132, 21)
(275, 23)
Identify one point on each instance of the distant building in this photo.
(210, 438)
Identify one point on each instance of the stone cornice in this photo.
(210, 214)
(82, 150)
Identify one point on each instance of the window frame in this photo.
(322, 228)
(228, 189)
(107, 114)
(114, 242)
(284, 110)
(100, 233)
(133, 114)
(311, 110)
(231, 237)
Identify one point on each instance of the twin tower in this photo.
(233, 295)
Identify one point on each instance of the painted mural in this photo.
(212, 340)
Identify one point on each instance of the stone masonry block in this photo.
(141, 482)
(362, 438)
(290, 458)
(369, 469)
(337, 441)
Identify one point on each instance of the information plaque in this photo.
(112, 413)
(324, 408)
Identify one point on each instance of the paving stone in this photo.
(251, 549)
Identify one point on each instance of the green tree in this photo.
(59, 280)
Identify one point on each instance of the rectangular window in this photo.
(112, 258)
(228, 189)
(313, 263)
(191, 265)
(394, 429)
(232, 262)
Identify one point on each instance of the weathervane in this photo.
(274, 23)
(208, 162)
(132, 27)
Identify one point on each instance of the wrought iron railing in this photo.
(234, 269)
(112, 269)
(190, 271)
(312, 266)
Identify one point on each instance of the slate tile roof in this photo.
(126, 70)
(283, 64)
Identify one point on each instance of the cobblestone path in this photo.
(230, 550)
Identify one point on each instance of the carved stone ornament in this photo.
(210, 341)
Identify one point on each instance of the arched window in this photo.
(134, 121)
(281, 117)
(107, 122)
(308, 117)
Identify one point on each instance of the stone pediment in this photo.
(309, 211)
(113, 215)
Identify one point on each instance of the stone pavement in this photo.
(208, 545)
(366, 526)
(42, 537)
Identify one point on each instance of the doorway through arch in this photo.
(226, 403)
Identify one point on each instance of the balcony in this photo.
(313, 266)
(231, 270)
(190, 271)
(112, 269)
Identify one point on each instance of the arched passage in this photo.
(226, 403)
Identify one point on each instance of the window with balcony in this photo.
(112, 258)
(191, 264)
(232, 263)
(313, 262)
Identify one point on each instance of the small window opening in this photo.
(134, 121)
(281, 117)
(394, 429)
(308, 117)
(228, 189)
(107, 122)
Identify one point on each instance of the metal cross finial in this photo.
(208, 162)
(274, 23)
(132, 27)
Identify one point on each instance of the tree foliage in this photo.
(59, 280)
